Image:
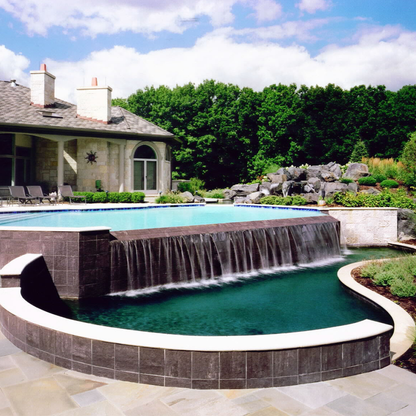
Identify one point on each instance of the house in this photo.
(47, 141)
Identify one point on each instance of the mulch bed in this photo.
(408, 359)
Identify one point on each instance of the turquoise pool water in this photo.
(159, 217)
(296, 300)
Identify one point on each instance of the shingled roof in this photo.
(17, 115)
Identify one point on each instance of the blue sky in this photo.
(131, 44)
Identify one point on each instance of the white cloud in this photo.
(12, 66)
(383, 56)
(265, 10)
(312, 6)
(90, 17)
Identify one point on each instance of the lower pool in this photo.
(160, 216)
(301, 299)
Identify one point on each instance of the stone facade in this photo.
(366, 226)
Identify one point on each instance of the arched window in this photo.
(145, 169)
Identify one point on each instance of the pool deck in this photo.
(31, 387)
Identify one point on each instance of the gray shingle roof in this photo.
(15, 110)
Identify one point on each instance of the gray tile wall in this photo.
(198, 369)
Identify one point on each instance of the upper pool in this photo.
(151, 216)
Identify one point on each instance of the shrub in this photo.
(385, 199)
(124, 197)
(192, 186)
(384, 278)
(99, 197)
(367, 180)
(370, 270)
(113, 197)
(359, 152)
(389, 183)
(379, 177)
(169, 198)
(346, 180)
(409, 160)
(88, 195)
(137, 197)
(215, 193)
(280, 200)
(403, 287)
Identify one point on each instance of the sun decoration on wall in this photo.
(91, 157)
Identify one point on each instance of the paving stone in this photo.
(11, 376)
(154, 408)
(43, 397)
(76, 385)
(353, 406)
(282, 402)
(88, 397)
(386, 402)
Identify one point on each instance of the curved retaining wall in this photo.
(234, 362)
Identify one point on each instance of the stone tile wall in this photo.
(197, 369)
(79, 262)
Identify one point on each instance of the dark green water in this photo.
(298, 300)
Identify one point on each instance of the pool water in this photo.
(303, 299)
(158, 217)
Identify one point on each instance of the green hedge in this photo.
(113, 197)
(283, 200)
(170, 198)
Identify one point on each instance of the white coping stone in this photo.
(16, 266)
(12, 301)
(54, 229)
(404, 325)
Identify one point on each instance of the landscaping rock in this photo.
(187, 196)
(198, 199)
(276, 189)
(296, 174)
(242, 200)
(229, 194)
(353, 187)
(328, 176)
(330, 188)
(406, 224)
(255, 197)
(265, 188)
(244, 190)
(356, 171)
(311, 198)
(274, 178)
(370, 191)
(287, 188)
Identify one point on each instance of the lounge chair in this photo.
(36, 192)
(66, 192)
(18, 193)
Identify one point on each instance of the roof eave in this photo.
(77, 133)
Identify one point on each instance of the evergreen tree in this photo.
(360, 151)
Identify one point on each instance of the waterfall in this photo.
(148, 262)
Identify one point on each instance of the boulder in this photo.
(315, 183)
(336, 169)
(265, 188)
(331, 188)
(198, 199)
(313, 172)
(187, 196)
(276, 188)
(328, 176)
(370, 191)
(229, 194)
(406, 224)
(296, 174)
(244, 190)
(353, 187)
(356, 171)
(311, 198)
(255, 197)
(274, 178)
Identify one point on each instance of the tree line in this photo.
(231, 134)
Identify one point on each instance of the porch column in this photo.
(60, 163)
(122, 148)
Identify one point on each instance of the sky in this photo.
(131, 44)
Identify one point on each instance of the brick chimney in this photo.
(94, 103)
(42, 88)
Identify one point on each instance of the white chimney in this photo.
(94, 103)
(42, 87)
